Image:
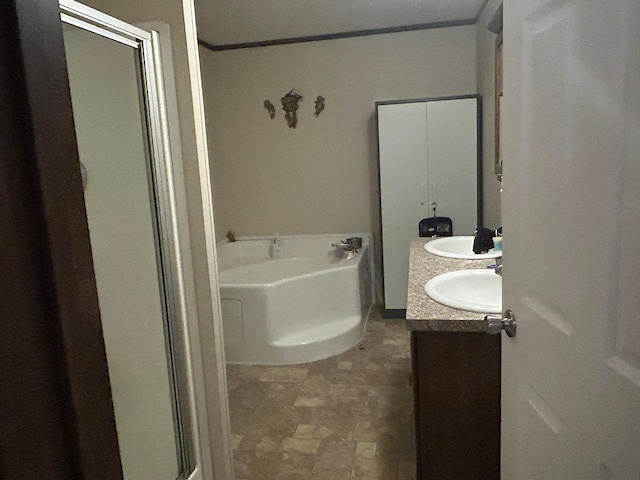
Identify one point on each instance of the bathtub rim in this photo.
(324, 271)
(365, 236)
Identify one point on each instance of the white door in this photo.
(402, 142)
(452, 144)
(571, 376)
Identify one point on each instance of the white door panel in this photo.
(453, 163)
(622, 358)
(403, 177)
(571, 378)
(540, 429)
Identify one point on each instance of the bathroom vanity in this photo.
(456, 378)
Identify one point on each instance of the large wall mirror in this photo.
(430, 164)
(121, 130)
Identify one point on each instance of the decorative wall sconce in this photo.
(290, 103)
(290, 106)
(319, 105)
(270, 108)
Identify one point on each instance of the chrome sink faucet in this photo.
(498, 268)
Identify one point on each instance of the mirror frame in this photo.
(498, 101)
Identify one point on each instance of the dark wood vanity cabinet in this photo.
(456, 378)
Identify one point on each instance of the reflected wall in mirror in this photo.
(114, 98)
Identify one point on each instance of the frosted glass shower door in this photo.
(115, 99)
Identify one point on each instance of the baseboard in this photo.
(395, 313)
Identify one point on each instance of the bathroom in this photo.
(268, 178)
(336, 150)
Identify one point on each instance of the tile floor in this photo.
(346, 417)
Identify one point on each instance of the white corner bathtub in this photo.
(305, 305)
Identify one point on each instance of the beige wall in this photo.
(485, 41)
(322, 176)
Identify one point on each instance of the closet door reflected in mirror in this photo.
(114, 98)
(429, 158)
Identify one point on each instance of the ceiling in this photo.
(228, 23)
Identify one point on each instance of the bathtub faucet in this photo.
(345, 246)
(352, 244)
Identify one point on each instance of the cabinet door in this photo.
(452, 152)
(403, 190)
(456, 380)
(428, 153)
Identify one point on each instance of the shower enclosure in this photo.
(121, 129)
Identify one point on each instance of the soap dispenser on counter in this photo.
(497, 239)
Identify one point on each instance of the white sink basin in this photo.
(473, 290)
(457, 247)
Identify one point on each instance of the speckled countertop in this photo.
(426, 314)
